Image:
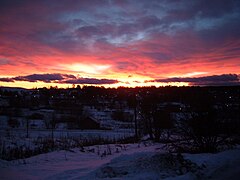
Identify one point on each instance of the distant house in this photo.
(80, 123)
(89, 123)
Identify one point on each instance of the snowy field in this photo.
(130, 161)
(15, 144)
(34, 133)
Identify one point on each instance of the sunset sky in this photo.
(119, 42)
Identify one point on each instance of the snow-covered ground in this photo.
(15, 144)
(222, 166)
(130, 161)
(35, 133)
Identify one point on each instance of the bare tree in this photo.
(204, 132)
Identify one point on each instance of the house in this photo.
(89, 123)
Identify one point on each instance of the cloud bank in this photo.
(215, 80)
(59, 78)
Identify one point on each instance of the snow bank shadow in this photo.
(147, 166)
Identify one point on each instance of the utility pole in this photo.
(27, 127)
(135, 117)
(53, 126)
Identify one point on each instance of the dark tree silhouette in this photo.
(155, 119)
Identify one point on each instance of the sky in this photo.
(115, 43)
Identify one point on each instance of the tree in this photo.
(162, 121)
(155, 119)
(204, 132)
(133, 100)
(148, 106)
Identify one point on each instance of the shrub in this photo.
(203, 132)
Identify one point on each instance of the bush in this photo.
(203, 132)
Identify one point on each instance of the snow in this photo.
(223, 165)
(63, 164)
(118, 161)
(35, 133)
(104, 117)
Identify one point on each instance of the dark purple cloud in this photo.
(44, 77)
(90, 81)
(6, 80)
(215, 80)
(66, 25)
(59, 78)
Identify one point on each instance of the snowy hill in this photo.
(131, 161)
